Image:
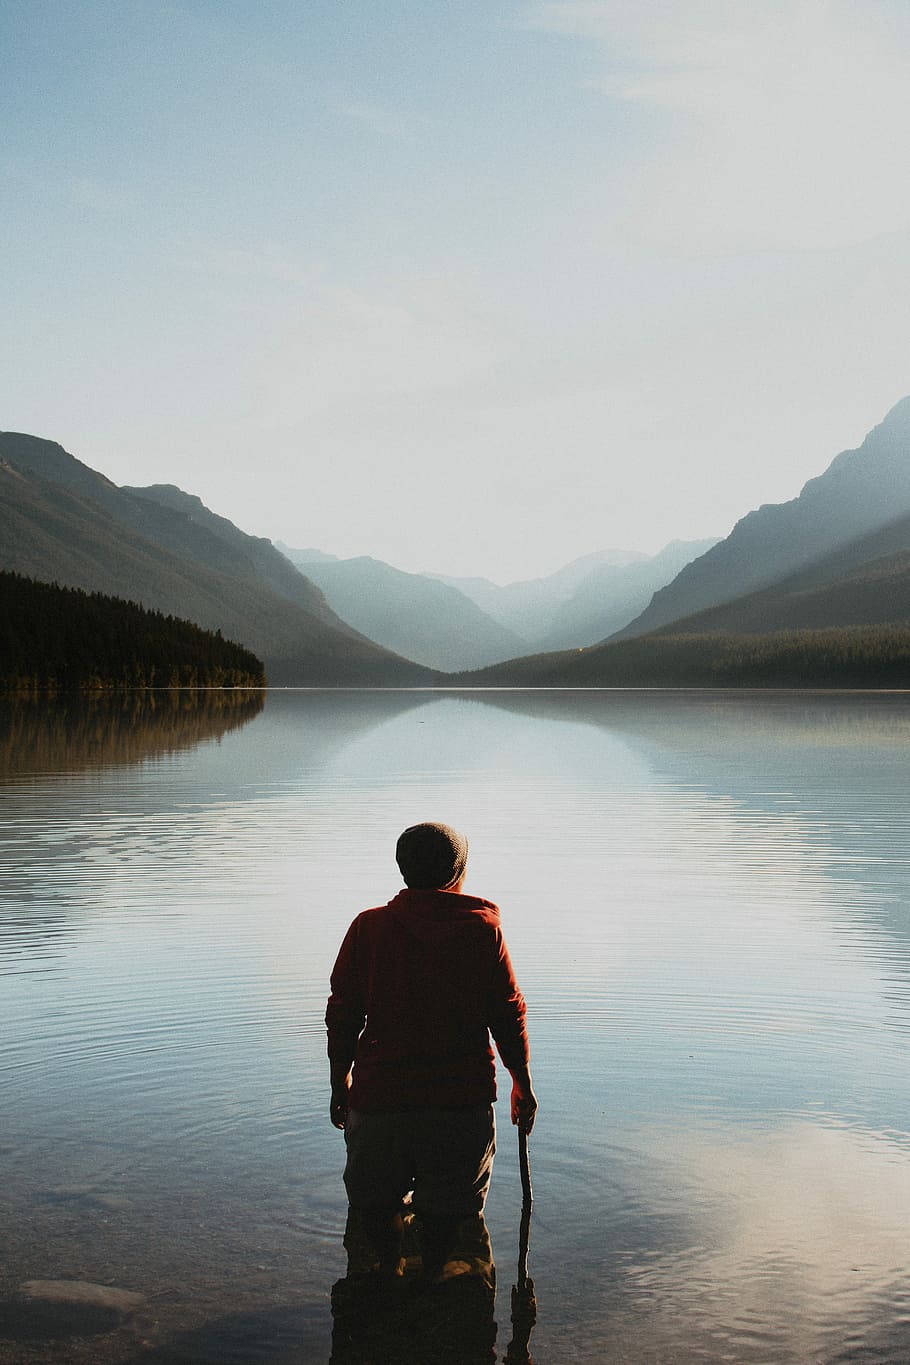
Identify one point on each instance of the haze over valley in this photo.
(456, 623)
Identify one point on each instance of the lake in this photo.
(705, 898)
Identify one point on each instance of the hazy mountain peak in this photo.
(310, 555)
(886, 445)
(610, 595)
(421, 617)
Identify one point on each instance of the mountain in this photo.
(832, 605)
(861, 490)
(611, 595)
(415, 615)
(209, 530)
(529, 607)
(62, 521)
(864, 583)
(843, 621)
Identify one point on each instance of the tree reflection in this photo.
(48, 738)
(76, 731)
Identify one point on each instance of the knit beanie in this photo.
(431, 856)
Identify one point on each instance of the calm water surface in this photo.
(706, 901)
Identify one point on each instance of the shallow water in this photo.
(705, 896)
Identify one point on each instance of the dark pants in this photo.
(444, 1155)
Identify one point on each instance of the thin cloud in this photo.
(382, 120)
(267, 261)
(786, 124)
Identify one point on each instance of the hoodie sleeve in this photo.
(506, 1011)
(345, 1013)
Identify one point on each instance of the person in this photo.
(417, 989)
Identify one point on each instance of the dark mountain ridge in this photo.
(864, 583)
(61, 521)
(266, 563)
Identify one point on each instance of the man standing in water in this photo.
(418, 987)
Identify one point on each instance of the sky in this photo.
(474, 287)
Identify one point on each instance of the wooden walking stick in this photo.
(524, 1165)
(527, 1204)
(524, 1302)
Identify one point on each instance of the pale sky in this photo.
(469, 286)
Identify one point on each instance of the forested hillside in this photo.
(864, 583)
(852, 656)
(62, 522)
(63, 638)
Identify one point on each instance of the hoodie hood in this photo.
(443, 916)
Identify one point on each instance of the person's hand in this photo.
(338, 1107)
(524, 1106)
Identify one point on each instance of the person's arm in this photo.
(338, 1103)
(345, 1016)
(507, 1024)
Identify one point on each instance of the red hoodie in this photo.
(418, 987)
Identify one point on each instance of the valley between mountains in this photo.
(814, 591)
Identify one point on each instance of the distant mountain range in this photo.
(531, 606)
(836, 559)
(420, 617)
(611, 595)
(454, 624)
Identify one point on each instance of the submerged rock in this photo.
(62, 1308)
(88, 1196)
(81, 1293)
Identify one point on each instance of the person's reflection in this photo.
(408, 1319)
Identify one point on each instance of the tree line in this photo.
(55, 638)
(835, 657)
(845, 656)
